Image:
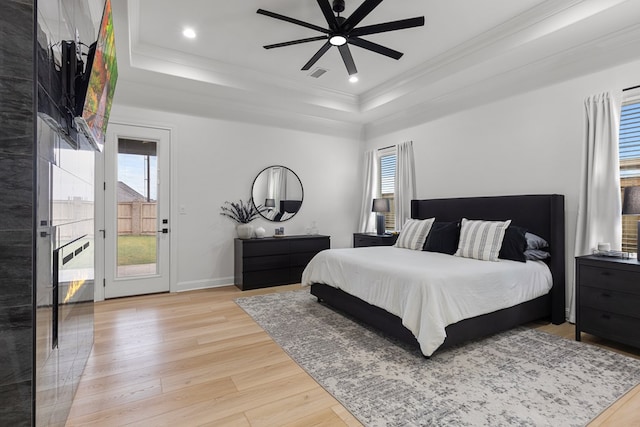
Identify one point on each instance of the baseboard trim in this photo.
(193, 285)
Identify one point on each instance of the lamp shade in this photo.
(270, 203)
(631, 203)
(380, 205)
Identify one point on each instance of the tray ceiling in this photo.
(467, 53)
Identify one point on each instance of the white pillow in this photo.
(481, 239)
(414, 233)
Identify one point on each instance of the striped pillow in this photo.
(414, 233)
(481, 239)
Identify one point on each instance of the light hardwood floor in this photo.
(196, 358)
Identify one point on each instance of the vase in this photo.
(260, 232)
(245, 231)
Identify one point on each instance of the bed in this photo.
(542, 215)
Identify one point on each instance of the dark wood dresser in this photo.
(372, 239)
(272, 261)
(608, 298)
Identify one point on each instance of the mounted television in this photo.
(96, 86)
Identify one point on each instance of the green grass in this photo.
(134, 250)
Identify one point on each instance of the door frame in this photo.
(100, 207)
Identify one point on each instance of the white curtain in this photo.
(405, 189)
(600, 207)
(277, 185)
(369, 192)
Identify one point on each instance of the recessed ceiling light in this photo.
(189, 33)
(353, 79)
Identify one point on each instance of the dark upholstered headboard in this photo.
(290, 206)
(541, 214)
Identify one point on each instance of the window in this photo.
(630, 161)
(387, 165)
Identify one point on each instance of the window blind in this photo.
(629, 146)
(630, 140)
(388, 184)
(387, 173)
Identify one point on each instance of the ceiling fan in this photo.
(344, 31)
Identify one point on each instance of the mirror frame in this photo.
(253, 190)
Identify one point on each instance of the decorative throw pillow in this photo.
(514, 244)
(535, 241)
(481, 239)
(443, 238)
(536, 254)
(414, 233)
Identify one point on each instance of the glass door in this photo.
(137, 222)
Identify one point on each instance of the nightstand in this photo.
(608, 298)
(372, 239)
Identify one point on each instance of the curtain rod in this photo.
(630, 88)
(384, 148)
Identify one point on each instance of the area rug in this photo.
(521, 377)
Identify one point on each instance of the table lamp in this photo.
(379, 207)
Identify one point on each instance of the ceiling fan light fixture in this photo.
(337, 40)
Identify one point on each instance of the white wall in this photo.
(214, 161)
(527, 144)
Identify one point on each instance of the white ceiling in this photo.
(468, 52)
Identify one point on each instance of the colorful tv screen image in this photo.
(102, 80)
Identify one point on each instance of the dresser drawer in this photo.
(264, 247)
(616, 327)
(610, 301)
(366, 241)
(267, 262)
(301, 259)
(309, 245)
(296, 274)
(609, 278)
(265, 278)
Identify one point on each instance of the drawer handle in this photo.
(606, 316)
(605, 273)
(606, 295)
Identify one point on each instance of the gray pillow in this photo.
(536, 255)
(535, 242)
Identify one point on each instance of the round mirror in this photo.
(277, 193)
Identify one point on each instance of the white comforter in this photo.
(428, 290)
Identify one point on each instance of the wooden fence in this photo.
(136, 218)
(629, 222)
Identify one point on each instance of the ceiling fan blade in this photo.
(292, 42)
(388, 26)
(325, 47)
(292, 20)
(360, 13)
(328, 14)
(374, 47)
(348, 59)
